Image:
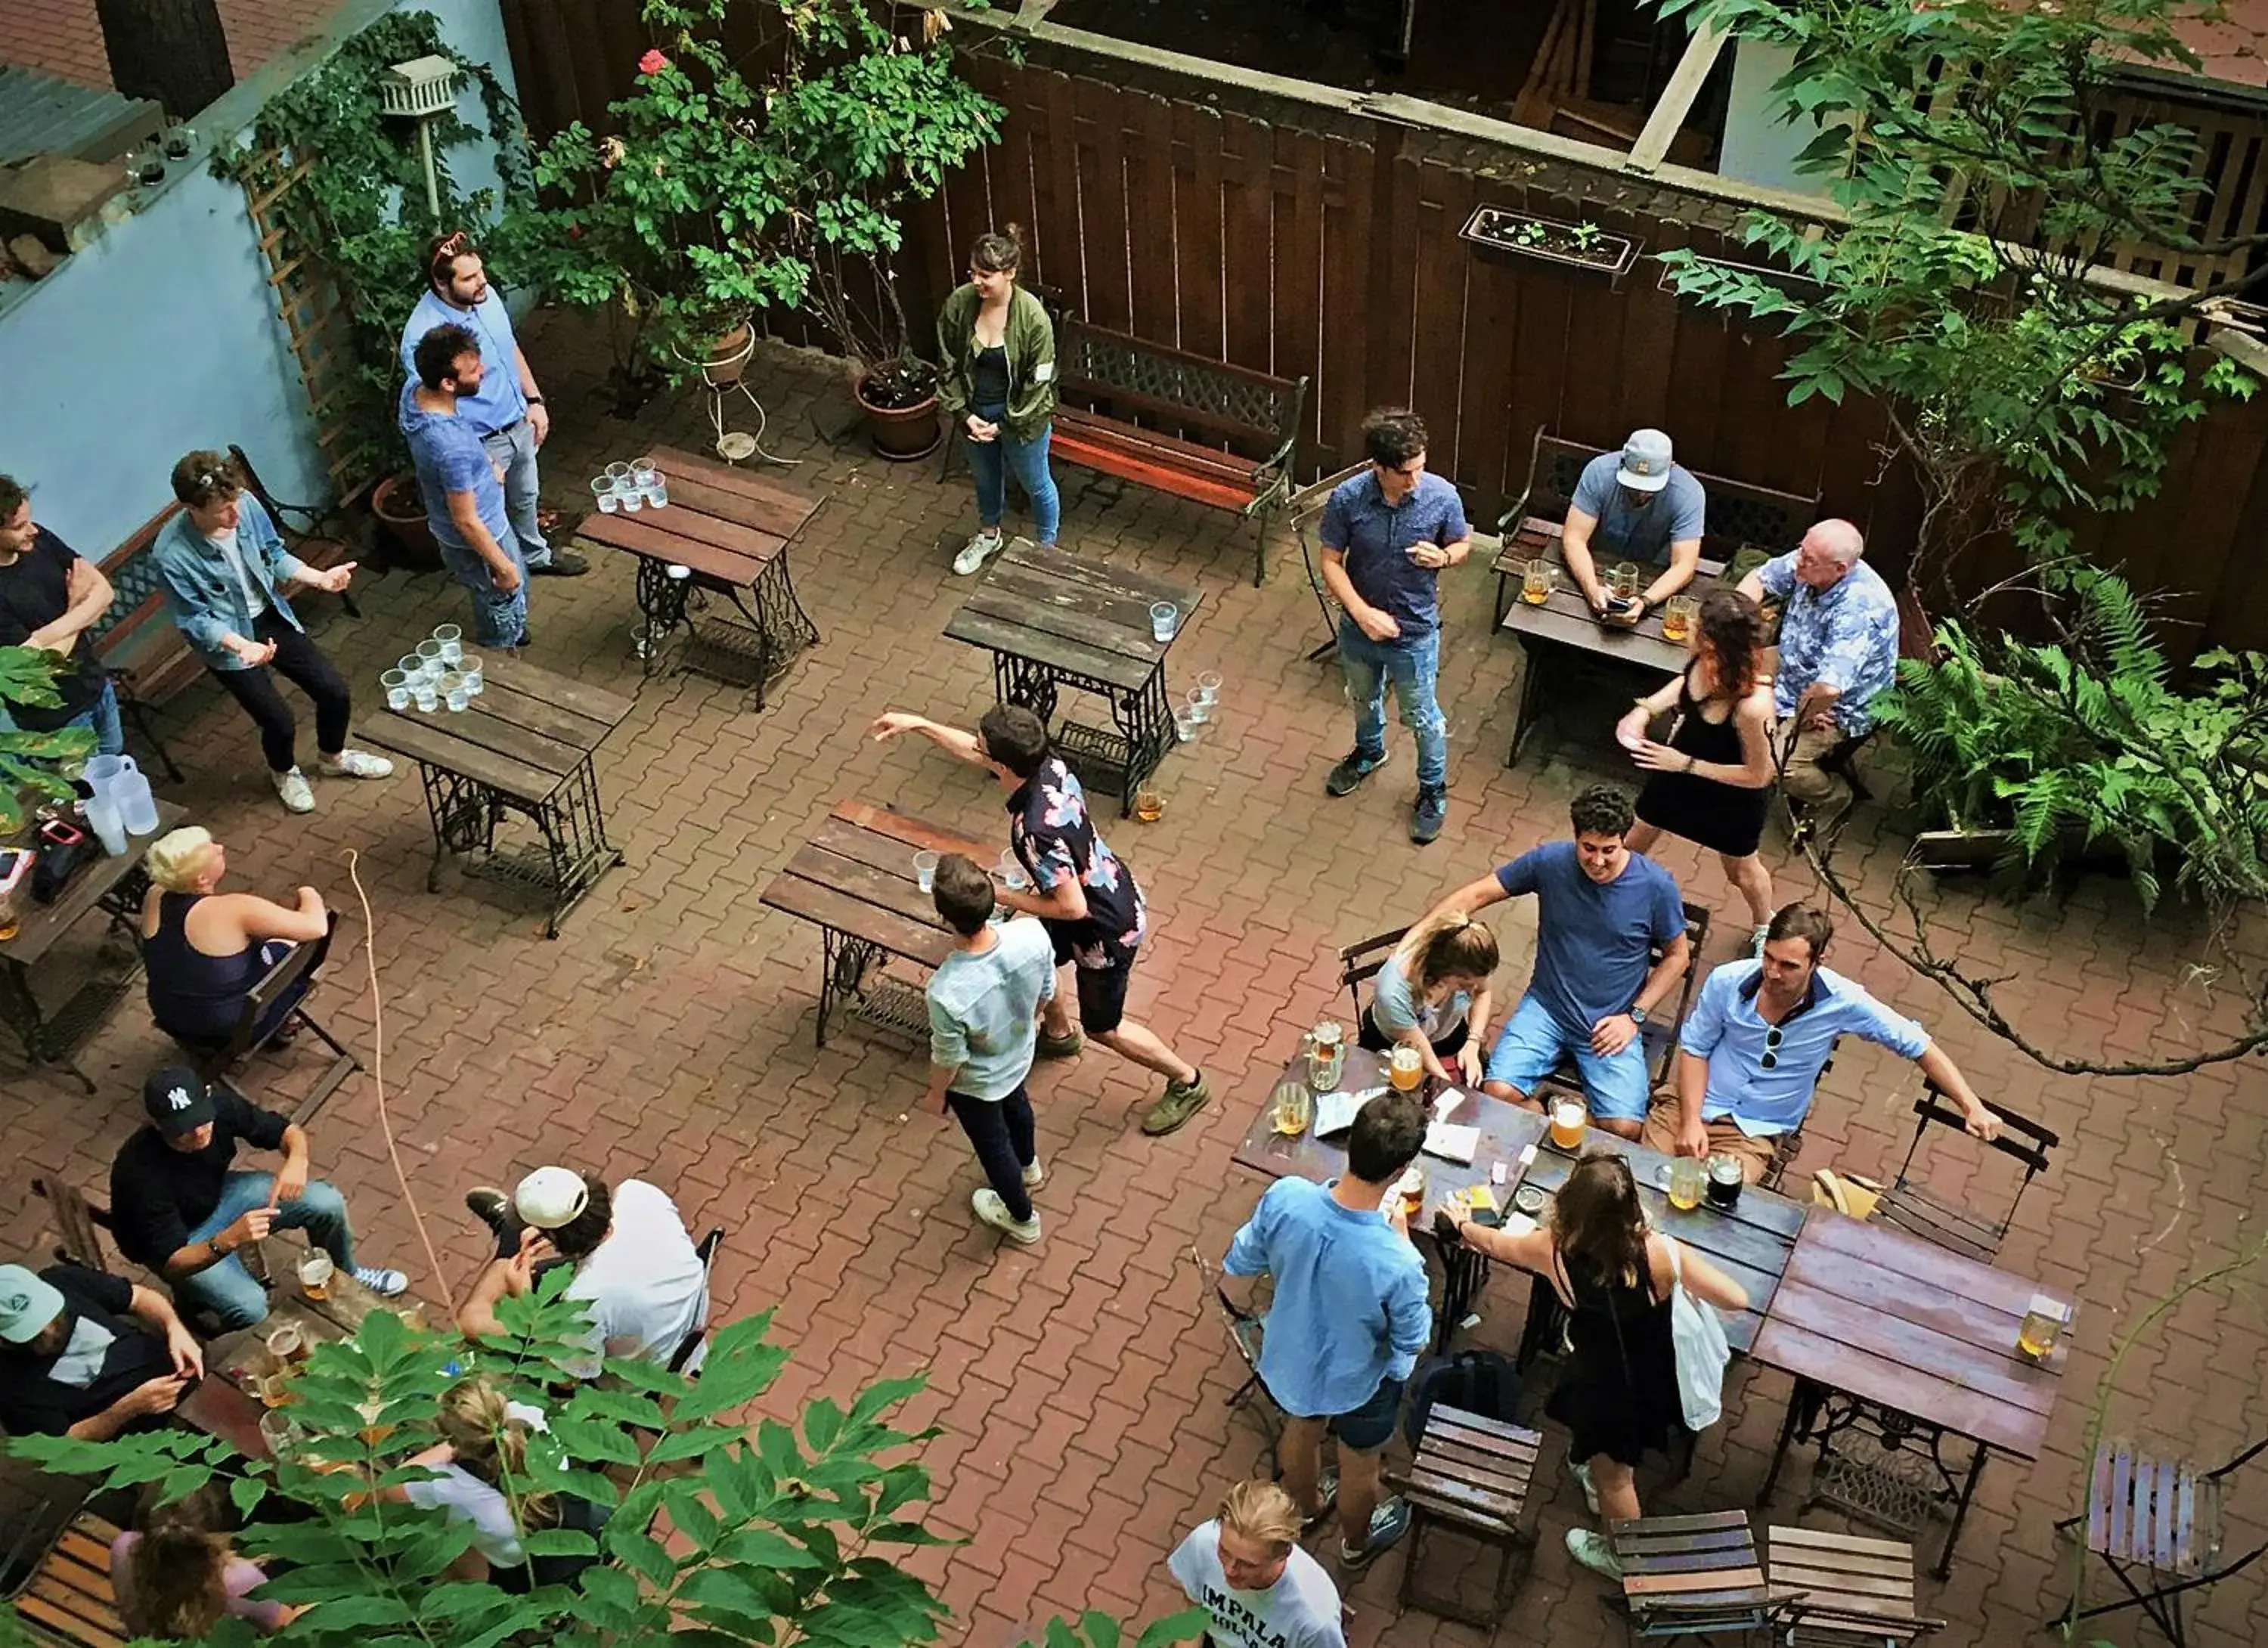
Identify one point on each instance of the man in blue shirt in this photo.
(1749, 1057)
(1387, 533)
(507, 410)
(1602, 912)
(1636, 504)
(463, 493)
(1839, 649)
(1347, 1322)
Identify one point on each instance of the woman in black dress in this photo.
(1618, 1396)
(1712, 778)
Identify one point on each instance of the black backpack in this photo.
(1483, 1382)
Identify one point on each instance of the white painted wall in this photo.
(1760, 146)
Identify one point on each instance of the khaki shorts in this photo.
(1754, 1155)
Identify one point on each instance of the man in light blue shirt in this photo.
(1839, 650)
(1637, 505)
(1749, 1057)
(984, 1007)
(1348, 1320)
(507, 411)
(463, 494)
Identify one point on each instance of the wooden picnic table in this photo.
(225, 1403)
(523, 746)
(1565, 622)
(1053, 620)
(1912, 1342)
(114, 885)
(730, 533)
(854, 879)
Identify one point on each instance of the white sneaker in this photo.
(1589, 1548)
(292, 788)
(977, 551)
(993, 1211)
(353, 763)
(1757, 941)
(1036, 1175)
(1582, 1475)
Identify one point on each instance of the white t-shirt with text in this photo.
(1301, 1610)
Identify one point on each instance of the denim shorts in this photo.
(1532, 1045)
(1371, 1427)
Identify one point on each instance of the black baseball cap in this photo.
(177, 1102)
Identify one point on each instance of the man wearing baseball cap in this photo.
(1637, 505)
(178, 1207)
(87, 1355)
(637, 1274)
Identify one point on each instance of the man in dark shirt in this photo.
(50, 598)
(87, 1355)
(1084, 894)
(177, 1208)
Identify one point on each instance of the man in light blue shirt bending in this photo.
(1752, 1049)
(1349, 1318)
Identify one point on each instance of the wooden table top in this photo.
(1567, 619)
(39, 925)
(526, 734)
(724, 523)
(1876, 1313)
(855, 875)
(1067, 612)
(225, 1403)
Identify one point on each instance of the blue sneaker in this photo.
(1347, 776)
(1431, 813)
(1388, 1524)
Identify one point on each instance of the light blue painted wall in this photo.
(162, 335)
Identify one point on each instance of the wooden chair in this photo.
(1305, 508)
(1840, 1591)
(1360, 962)
(1246, 1329)
(2157, 1526)
(1692, 1576)
(67, 1597)
(707, 1251)
(79, 1223)
(1913, 1209)
(290, 978)
(1470, 1476)
(306, 542)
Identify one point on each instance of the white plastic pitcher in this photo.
(138, 809)
(102, 818)
(101, 772)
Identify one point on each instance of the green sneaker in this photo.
(1179, 1103)
(1059, 1047)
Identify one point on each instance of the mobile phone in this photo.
(15, 864)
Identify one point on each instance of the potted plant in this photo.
(728, 190)
(1583, 246)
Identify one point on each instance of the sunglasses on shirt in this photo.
(1773, 1037)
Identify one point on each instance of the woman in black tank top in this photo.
(204, 950)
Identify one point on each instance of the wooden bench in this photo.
(1254, 417)
(68, 1598)
(1739, 515)
(1470, 1476)
(1691, 1576)
(1835, 1591)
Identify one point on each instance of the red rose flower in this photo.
(654, 61)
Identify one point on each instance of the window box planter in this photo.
(1581, 246)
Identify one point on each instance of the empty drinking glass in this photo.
(925, 870)
(1165, 619)
(1209, 687)
(396, 683)
(425, 697)
(602, 489)
(452, 688)
(453, 643)
(469, 668)
(428, 656)
(630, 496)
(1199, 709)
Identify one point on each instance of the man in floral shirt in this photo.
(1838, 649)
(1087, 897)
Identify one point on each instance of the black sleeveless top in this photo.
(1722, 817)
(195, 997)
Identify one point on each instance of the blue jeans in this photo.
(498, 620)
(1412, 663)
(100, 717)
(227, 1289)
(515, 449)
(1532, 1043)
(990, 462)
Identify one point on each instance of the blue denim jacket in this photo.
(202, 592)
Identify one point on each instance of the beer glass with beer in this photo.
(1678, 617)
(1686, 1178)
(315, 1270)
(1537, 581)
(1294, 1107)
(1568, 1118)
(1405, 1069)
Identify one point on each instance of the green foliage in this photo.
(777, 1533)
(2085, 741)
(1967, 146)
(30, 761)
(361, 208)
(733, 187)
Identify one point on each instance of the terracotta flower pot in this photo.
(901, 434)
(728, 355)
(401, 512)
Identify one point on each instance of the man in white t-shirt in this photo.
(637, 1270)
(1246, 1569)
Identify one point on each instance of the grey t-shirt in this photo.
(1394, 1007)
(982, 1008)
(1671, 516)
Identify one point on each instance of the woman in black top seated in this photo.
(204, 950)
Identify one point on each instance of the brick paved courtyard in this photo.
(1080, 1383)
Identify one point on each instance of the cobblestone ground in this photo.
(1081, 1384)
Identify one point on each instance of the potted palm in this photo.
(728, 190)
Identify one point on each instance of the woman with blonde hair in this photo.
(204, 950)
(483, 1478)
(1614, 1275)
(1433, 993)
(1247, 1570)
(173, 1575)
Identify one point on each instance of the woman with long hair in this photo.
(483, 1478)
(1619, 1396)
(173, 1575)
(999, 348)
(1432, 993)
(202, 950)
(1712, 777)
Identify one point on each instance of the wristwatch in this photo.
(1637, 1015)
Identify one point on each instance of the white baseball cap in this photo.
(551, 1196)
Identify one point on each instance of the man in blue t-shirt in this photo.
(462, 488)
(1601, 912)
(1387, 533)
(1637, 505)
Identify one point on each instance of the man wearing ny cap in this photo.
(637, 1274)
(1637, 505)
(177, 1206)
(87, 1355)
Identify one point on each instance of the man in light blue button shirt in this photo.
(1348, 1320)
(1750, 1057)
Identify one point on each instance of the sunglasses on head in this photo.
(449, 251)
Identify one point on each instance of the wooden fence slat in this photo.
(1055, 145)
(1299, 266)
(1148, 146)
(1437, 314)
(1100, 112)
(1341, 392)
(1248, 193)
(1198, 254)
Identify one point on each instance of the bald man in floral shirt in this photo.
(1839, 650)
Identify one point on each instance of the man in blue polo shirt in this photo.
(1637, 505)
(506, 411)
(1346, 1323)
(1601, 912)
(1387, 533)
(1751, 1055)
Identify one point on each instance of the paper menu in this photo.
(1452, 1142)
(1335, 1112)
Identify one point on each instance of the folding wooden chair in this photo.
(1470, 1476)
(1359, 964)
(1246, 1329)
(1840, 1592)
(707, 1251)
(1691, 1576)
(1304, 508)
(1913, 1209)
(67, 1596)
(2157, 1526)
(291, 977)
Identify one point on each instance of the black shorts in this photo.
(1371, 1427)
(1102, 995)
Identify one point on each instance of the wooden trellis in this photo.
(313, 313)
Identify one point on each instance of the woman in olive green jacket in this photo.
(1000, 379)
